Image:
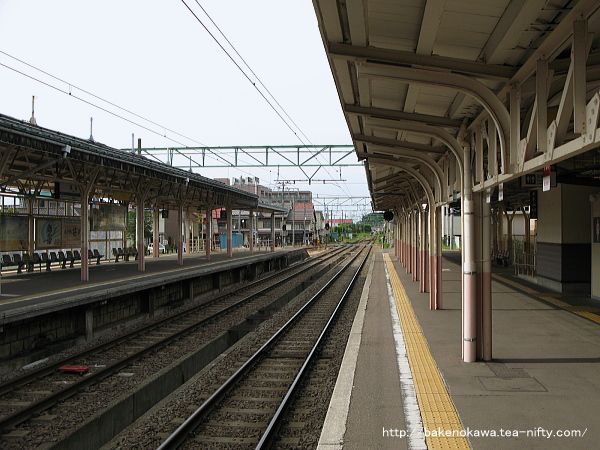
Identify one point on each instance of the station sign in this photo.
(536, 180)
(66, 191)
(546, 179)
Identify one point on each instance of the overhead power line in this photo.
(240, 68)
(252, 72)
(249, 78)
(71, 85)
(70, 93)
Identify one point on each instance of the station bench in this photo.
(501, 258)
(47, 259)
(124, 254)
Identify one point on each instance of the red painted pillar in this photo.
(180, 236)
(209, 231)
(229, 232)
(139, 235)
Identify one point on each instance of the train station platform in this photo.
(403, 383)
(44, 312)
(41, 286)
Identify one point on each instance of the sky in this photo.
(156, 60)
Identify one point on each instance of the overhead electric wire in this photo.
(70, 94)
(241, 70)
(89, 103)
(252, 72)
(159, 125)
(249, 79)
(100, 98)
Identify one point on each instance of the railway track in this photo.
(28, 396)
(248, 409)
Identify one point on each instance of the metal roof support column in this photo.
(155, 231)
(187, 247)
(85, 232)
(139, 234)
(273, 231)
(251, 236)
(293, 223)
(180, 236)
(409, 234)
(424, 252)
(208, 231)
(229, 231)
(486, 282)
(469, 292)
(477, 203)
(435, 279)
(415, 244)
(30, 225)
(405, 234)
(397, 237)
(435, 269)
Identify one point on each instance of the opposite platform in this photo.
(33, 291)
(542, 390)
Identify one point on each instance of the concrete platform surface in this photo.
(540, 391)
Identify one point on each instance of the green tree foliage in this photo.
(373, 219)
(131, 225)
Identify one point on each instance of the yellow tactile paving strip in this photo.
(588, 312)
(437, 410)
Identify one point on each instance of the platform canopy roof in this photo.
(37, 161)
(409, 73)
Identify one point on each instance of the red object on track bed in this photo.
(74, 369)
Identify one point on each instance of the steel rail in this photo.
(270, 433)
(180, 435)
(39, 406)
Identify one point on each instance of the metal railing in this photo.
(525, 264)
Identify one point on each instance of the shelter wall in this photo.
(596, 249)
(564, 238)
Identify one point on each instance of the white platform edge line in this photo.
(334, 427)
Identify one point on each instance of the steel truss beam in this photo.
(255, 156)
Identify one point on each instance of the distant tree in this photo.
(373, 219)
(131, 225)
